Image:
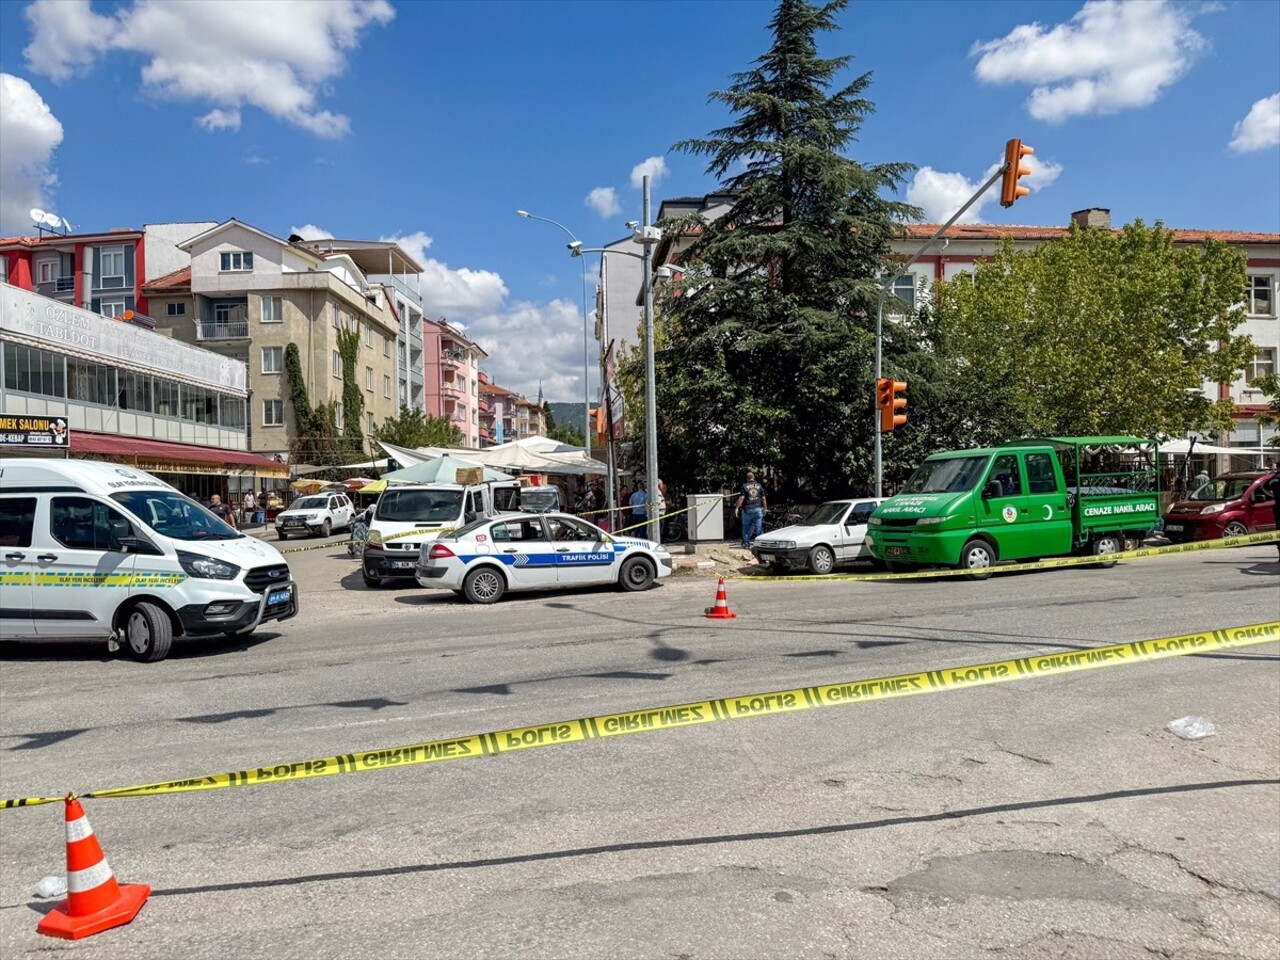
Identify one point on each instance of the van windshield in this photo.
(417, 506)
(954, 475)
(172, 515)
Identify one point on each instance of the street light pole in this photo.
(586, 350)
(650, 378)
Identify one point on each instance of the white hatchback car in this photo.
(319, 515)
(830, 536)
(485, 559)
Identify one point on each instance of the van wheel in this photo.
(1106, 544)
(978, 557)
(822, 560)
(635, 575)
(484, 585)
(1235, 529)
(148, 633)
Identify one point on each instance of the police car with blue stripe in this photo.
(549, 551)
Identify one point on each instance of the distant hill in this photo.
(570, 413)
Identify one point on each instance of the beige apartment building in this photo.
(248, 295)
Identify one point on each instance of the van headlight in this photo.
(207, 568)
(874, 522)
(925, 521)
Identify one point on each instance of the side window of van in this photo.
(17, 521)
(79, 523)
(1006, 470)
(1040, 473)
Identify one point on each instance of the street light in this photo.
(586, 351)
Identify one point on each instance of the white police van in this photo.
(92, 549)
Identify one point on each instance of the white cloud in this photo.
(217, 119)
(29, 133)
(940, 194)
(1260, 128)
(1110, 56)
(309, 231)
(276, 56)
(604, 201)
(415, 244)
(530, 343)
(655, 168)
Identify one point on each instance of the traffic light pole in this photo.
(888, 285)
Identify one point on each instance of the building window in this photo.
(47, 271)
(273, 413)
(386, 346)
(236, 261)
(272, 359)
(272, 310)
(337, 364)
(177, 309)
(368, 335)
(337, 318)
(34, 371)
(1259, 296)
(1264, 363)
(369, 419)
(113, 308)
(368, 379)
(337, 415)
(112, 265)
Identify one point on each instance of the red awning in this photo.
(132, 449)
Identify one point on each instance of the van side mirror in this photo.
(992, 489)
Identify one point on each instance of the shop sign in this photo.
(51, 432)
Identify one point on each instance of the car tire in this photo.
(636, 574)
(977, 557)
(1106, 544)
(326, 528)
(1235, 529)
(148, 633)
(822, 560)
(484, 585)
(373, 583)
(281, 535)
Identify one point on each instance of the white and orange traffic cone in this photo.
(95, 902)
(721, 610)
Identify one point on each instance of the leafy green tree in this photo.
(1269, 384)
(1098, 333)
(411, 428)
(765, 349)
(566, 434)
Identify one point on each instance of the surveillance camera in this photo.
(632, 224)
(575, 248)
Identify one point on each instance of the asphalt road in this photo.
(1053, 817)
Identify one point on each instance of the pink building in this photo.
(451, 363)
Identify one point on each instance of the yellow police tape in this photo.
(707, 711)
(1092, 560)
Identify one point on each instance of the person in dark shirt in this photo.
(751, 506)
(1272, 486)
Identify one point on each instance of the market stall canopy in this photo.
(307, 486)
(438, 470)
(1181, 447)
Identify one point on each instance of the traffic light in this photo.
(1014, 151)
(889, 404)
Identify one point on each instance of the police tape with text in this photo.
(706, 711)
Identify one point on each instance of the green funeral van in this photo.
(1022, 500)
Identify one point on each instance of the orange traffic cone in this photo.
(95, 902)
(721, 610)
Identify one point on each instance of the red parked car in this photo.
(1230, 506)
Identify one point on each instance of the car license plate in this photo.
(281, 595)
(1173, 527)
(402, 564)
(766, 558)
(897, 551)
(293, 523)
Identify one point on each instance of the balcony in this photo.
(214, 330)
(451, 389)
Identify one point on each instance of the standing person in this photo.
(751, 505)
(221, 510)
(639, 503)
(250, 507)
(624, 504)
(1272, 486)
(1201, 479)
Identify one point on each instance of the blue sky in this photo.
(436, 121)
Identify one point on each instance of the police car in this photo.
(549, 551)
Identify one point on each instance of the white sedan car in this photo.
(485, 559)
(829, 537)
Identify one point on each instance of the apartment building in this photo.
(386, 263)
(497, 412)
(452, 371)
(101, 272)
(531, 420)
(247, 295)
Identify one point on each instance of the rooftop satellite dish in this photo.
(52, 220)
(37, 215)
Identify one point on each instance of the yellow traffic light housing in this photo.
(1014, 170)
(893, 408)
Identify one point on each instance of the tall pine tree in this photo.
(767, 345)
